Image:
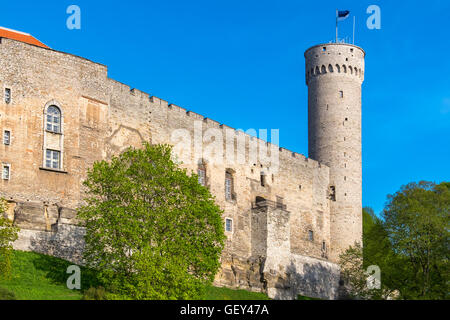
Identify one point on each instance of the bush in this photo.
(95, 294)
(5, 294)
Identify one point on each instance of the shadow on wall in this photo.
(315, 281)
(65, 242)
(55, 269)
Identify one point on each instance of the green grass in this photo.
(40, 277)
(215, 293)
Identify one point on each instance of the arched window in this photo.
(324, 69)
(350, 69)
(344, 68)
(330, 68)
(317, 70)
(53, 119)
(338, 68)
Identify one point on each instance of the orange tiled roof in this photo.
(20, 36)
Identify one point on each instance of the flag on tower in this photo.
(342, 15)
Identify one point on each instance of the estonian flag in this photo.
(342, 15)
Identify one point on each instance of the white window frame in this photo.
(231, 221)
(51, 159)
(6, 165)
(53, 123)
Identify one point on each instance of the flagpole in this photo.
(354, 19)
(336, 25)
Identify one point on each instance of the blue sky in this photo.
(241, 63)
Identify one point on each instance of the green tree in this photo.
(417, 221)
(410, 245)
(376, 250)
(8, 234)
(152, 231)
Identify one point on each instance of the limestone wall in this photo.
(101, 118)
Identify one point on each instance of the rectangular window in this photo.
(52, 159)
(228, 225)
(228, 186)
(310, 235)
(6, 137)
(263, 179)
(324, 246)
(341, 94)
(201, 176)
(7, 95)
(5, 172)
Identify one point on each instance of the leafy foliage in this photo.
(6, 294)
(417, 222)
(409, 244)
(8, 234)
(152, 231)
(94, 293)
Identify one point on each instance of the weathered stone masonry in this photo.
(284, 249)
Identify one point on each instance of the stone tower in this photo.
(334, 75)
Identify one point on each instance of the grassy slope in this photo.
(40, 277)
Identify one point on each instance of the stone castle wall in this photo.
(269, 247)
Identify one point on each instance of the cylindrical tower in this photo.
(334, 75)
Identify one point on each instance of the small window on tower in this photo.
(310, 235)
(6, 137)
(324, 49)
(5, 171)
(7, 95)
(341, 94)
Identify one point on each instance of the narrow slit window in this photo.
(310, 235)
(6, 137)
(228, 186)
(7, 95)
(5, 172)
(263, 179)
